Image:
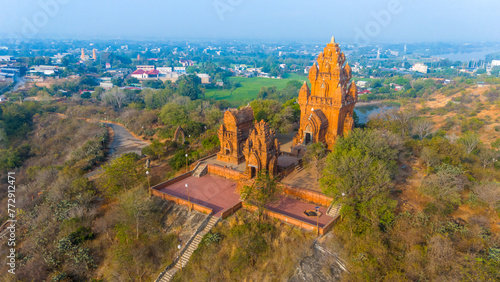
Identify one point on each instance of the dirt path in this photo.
(122, 141)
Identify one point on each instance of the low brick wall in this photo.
(329, 225)
(308, 195)
(182, 202)
(224, 172)
(172, 181)
(291, 220)
(229, 211)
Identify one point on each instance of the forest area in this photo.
(418, 185)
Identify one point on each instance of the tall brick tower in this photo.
(326, 109)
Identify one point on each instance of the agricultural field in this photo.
(249, 88)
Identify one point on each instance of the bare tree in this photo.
(422, 128)
(452, 138)
(488, 192)
(470, 141)
(403, 118)
(315, 155)
(430, 157)
(115, 97)
(488, 156)
(440, 254)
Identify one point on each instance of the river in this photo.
(364, 111)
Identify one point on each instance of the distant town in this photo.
(139, 65)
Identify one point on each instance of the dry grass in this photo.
(249, 251)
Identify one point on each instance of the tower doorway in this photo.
(307, 138)
(253, 172)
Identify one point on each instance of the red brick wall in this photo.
(182, 202)
(293, 221)
(224, 172)
(308, 195)
(172, 181)
(229, 211)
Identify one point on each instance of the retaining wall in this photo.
(308, 195)
(224, 172)
(229, 211)
(292, 221)
(183, 202)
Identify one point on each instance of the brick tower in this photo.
(233, 133)
(261, 151)
(326, 109)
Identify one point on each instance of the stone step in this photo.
(193, 245)
(201, 171)
(334, 210)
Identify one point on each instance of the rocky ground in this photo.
(323, 263)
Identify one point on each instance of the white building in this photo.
(362, 84)
(180, 69)
(419, 67)
(107, 85)
(205, 78)
(164, 70)
(46, 70)
(146, 68)
(7, 58)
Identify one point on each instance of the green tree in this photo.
(122, 173)
(155, 149)
(358, 175)
(190, 86)
(262, 192)
(173, 114)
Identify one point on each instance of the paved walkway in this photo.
(294, 208)
(306, 178)
(210, 191)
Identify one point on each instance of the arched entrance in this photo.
(253, 172)
(308, 135)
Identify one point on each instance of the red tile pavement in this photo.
(294, 208)
(219, 194)
(210, 191)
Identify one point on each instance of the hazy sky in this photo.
(349, 20)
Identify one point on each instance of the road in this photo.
(124, 142)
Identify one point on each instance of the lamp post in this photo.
(189, 201)
(186, 163)
(149, 184)
(179, 256)
(317, 219)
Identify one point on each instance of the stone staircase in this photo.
(201, 170)
(188, 251)
(334, 210)
(299, 168)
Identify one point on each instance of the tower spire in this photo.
(333, 40)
